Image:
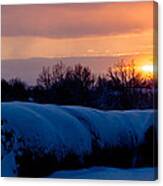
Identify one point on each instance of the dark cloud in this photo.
(76, 20)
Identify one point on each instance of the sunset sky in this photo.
(97, 35)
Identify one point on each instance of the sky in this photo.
(97, 35)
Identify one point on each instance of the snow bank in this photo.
(107, 173)
(113, 128)
(71, 134)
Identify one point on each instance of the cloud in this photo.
(76, 20)
(29, 47)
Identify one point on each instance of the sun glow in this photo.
(147, 68)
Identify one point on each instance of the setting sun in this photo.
(147, 68)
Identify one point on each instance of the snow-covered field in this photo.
(38, 140)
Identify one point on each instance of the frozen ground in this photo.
(108, 173)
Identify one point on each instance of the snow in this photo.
(108, 173)
(114, 128)
(9, 165)
(47, 127)
(66, 130)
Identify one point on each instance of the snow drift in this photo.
(39, 139)
(108, 173)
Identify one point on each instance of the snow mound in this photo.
(108, 173)
(72, 136)
(114, 128)
(47, 127)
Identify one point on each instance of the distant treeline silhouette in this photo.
(120, 88)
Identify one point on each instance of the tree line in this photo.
(122, 87)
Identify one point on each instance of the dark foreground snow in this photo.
(38, 140)
(107, 173)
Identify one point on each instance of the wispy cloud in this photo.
(29, 47)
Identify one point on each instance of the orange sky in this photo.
(78, 30)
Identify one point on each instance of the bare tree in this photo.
(124, 74)
(44, 78)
